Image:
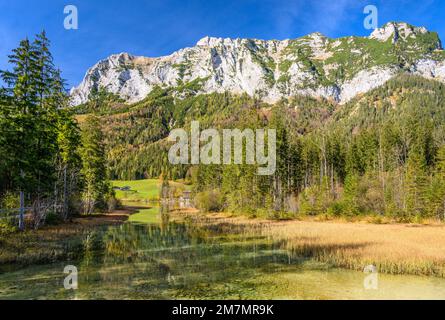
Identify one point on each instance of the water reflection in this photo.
(171, 260)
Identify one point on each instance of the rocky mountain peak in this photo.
(210, 41)
(397, 30)
(314, 65)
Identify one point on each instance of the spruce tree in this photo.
(94, 171)
(415, 184)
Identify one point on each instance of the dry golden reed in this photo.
(392, 248)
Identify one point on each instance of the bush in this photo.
(113, 204)
(7, 228)
(209, 201)
(10, 201)
(313, 201)
(52, 218)
(278, 215)
(338, 208)
(343, 208)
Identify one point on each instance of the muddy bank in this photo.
(62, 242)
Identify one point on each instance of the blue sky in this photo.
(159, 27)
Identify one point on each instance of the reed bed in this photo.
(392, 248)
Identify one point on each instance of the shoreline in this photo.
(55, 243)
(406, 249)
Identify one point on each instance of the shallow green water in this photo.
(167, 260)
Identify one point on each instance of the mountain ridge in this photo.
(314, 65)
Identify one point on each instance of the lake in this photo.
(163, 259)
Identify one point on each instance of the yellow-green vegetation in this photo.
(392, 248)
(140, 190)
(145, 190)
(217, 261)
(377, 155)
(62, 242)
(147, 215)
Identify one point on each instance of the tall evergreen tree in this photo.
(94, 170)
(37, 134)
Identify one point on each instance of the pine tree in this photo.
(415, 185)
(18, 114)
(94, 171)
(68, 160)
(436, 190)
(351, 193)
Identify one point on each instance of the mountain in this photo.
(314, 65)
(136, 135)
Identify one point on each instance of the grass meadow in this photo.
(143, 190)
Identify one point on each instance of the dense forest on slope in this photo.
(381, 153)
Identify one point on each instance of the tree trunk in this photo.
(65, 194)
(22, 212)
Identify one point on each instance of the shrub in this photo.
(337, 208)
(52, 218)
(113, 203)
(313, 201)
(209, 201)
(10, 201)
(7, 228)
(279, 215)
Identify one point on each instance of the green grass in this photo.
(146, 216)
(143, 190)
